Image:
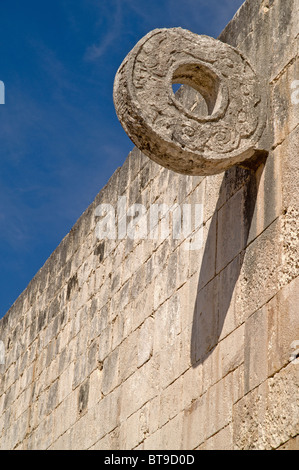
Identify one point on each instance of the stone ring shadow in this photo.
(219, 273)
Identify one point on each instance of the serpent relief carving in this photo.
(167, 131)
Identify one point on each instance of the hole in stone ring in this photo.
(190, 99)
(204, 81)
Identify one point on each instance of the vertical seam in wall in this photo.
(32, 385)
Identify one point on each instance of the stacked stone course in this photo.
(141, 344)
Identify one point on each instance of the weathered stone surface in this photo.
(256, 345)
(173, 135)
(269, 415)
(140, 344)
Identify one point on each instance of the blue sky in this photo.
(60, 140)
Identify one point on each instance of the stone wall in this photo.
(142, 344)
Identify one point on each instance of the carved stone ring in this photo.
(169, 132)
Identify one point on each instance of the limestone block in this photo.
(41, 438)
(268, 416)
(63, 442)
(138, 283)
(265, 192)
(129, 435)
(194, 423)
(236, 31)
(212, 185)
(52, 398)
(105, 415)
(283, 32)
(134, 429)
(141, 344)
(238, 383)
(172, 433)
(291, 444)
(108, 442)
(289, 268)
(205, 323)
(84, 432)
(219, 405)
(183, 261)
(228, 314)
(258, 280)
(167, 323)
(139, 388)
(187, 298)
(83, 395)
(118, 333)
(80, 368)
(222, 440)
(256, 344)
(9, 397)
(145, 341)
(287, 155)
(211, 368)
(227, 185)
(110, 371)
(22, 403)
(65, 415)
(283, 326)
(230, 239)
(2, 413)
(140, 309)
(128, 356)
(192, 385)
(285, 107)
(10, 377)
(170, 403)
(21, 428)
(232, 350)
(169, 133)
(248, 413)
(65, 382)
(95, 384)
(173, 359)
(274, 27)
(65, 336)
(282, 418)
(153, 442)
